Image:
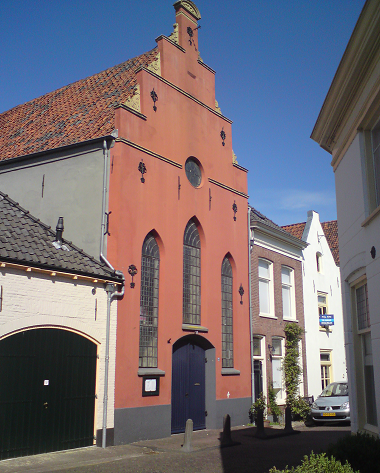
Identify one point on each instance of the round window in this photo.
(193, 172)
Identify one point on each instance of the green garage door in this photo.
(47, 392)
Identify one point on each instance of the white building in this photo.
(55, 314)
(348, 128)
(325, 353)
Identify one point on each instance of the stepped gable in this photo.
(77, 112)
(25, 240)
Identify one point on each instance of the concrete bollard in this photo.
(226, 436)
(288, 420)
(260, 432)
(186, 447)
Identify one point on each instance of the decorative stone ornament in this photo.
(189, 7)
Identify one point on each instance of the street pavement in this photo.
(251, 454)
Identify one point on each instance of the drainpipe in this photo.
(111, 294)
(250, 245)
(103, 228)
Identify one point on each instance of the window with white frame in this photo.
(277, 356)
(364, 332)
(259, 367)
(375, 137)
(326, 378)
(322, 306)
(266, 293)
(288, 293)
(318, 257)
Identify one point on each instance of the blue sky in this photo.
(274, 62)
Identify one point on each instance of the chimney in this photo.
(59, 230)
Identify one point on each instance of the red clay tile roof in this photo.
(296, 229)
(330, 229)
(77, 112)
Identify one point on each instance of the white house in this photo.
(325, 353)
(348, 128)
(57, 339)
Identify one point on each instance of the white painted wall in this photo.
(355, 242)
(328, 282)
(36, 300)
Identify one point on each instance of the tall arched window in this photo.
(191, 275)
(227, 338)
(150, 262)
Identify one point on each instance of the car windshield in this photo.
(335, 389)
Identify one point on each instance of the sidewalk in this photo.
(164, 455)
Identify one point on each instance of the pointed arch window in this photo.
(150, 265)
(227, 336)
(191, 275)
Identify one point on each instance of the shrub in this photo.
(258, 405)
(362, 451)
(272, 404)
(317, 464)
(301, 408)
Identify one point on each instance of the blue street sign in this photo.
(326, 319)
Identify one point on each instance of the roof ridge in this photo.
(76, 81)
(53, 234)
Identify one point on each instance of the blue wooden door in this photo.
(188, 387)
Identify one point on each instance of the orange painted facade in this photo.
(185, 124)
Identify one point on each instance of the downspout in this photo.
(103, 232)
(250, 245)
(111, 294)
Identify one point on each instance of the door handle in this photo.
(186, 394)
(46, 405)
(197, 384)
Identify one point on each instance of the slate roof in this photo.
(26, 240)
(77, 112)
(258, 217)
(330, 229)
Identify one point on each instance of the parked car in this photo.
(332, 404)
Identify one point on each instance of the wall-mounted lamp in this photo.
(373, 252)
(132, 270)
(241, 292)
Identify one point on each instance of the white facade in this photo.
(325, 353)
(34, 299)
(347, 127)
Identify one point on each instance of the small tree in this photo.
(292, 370)
(291, 366)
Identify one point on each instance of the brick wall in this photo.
(274, 327)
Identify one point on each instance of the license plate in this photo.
(328, 414)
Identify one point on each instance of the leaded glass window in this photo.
(362, 307)
(191, 275)
(150, 262)
(227, 336)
